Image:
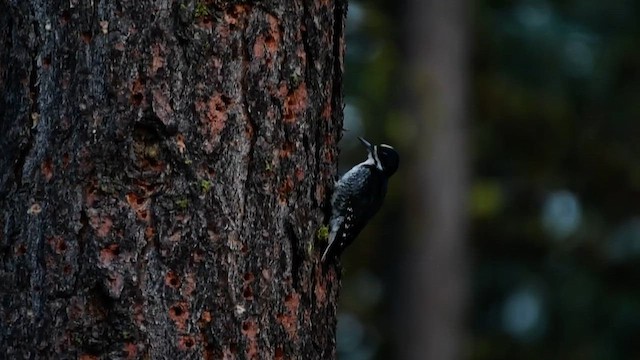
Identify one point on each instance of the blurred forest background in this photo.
(549, 135)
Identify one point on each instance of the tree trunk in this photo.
(438, 65)
(164, 169)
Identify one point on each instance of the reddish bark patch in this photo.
(287, 150)
(247, 293)
(302, 55)
(108, 254)
(87, 357)
(274, 31)
(249, 130)
(149, 232)
(137, 98)
(211, 171)
(138, 314)
(180, 143)
(319, 289)
(328, 141)
(190, 285)
(259, 47)
(250, 330)
(101, 224)
(162, 106)
(21, 250)
(279, 353)
(137, 91)
(269, 42)
(86, 37)
(157, 57)
(327, 156)
(266, 274)
(206, 317)
(140, 205)
(186, 343)
(210, 353)
(248, 277)
(285, 189)
(299, 174)
(289, 320)
(143, 215)
(235, 14)
(46, 62)
(292, 302)
(295, 104)
(327, 111)
(90, 195)
(171, 280)
(58, 244)
(138, 85)
(130, 351)
(213, 114)
(179, 313)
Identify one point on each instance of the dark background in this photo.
(553, 146)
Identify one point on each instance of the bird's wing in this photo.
(353, 207)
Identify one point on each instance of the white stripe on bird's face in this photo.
(373, 159)
(376, 159)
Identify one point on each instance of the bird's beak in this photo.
(366, 144)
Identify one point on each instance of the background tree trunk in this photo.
(164, 170)
(437, 282)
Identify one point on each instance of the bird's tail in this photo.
(327, 251)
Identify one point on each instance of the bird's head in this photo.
(384, 157)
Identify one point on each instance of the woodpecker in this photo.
(358, 195)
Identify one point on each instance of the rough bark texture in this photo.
(438, 63)
(164, 169)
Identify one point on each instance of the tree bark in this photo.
(164, 169)
(438, 46)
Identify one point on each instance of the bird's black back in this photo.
(358, 195)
